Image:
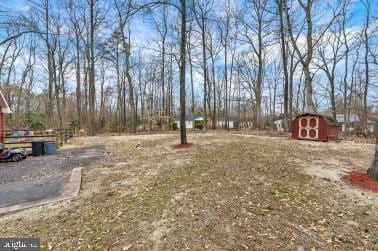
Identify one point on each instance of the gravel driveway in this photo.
(44, 177)
(42, 167)
(30, 191)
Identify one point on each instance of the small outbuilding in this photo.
(192, 122)
(4, 108)
(279, 125)
(353, 122)
(313, 127)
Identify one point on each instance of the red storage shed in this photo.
(313, 127)
(4, 108)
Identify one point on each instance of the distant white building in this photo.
(221, 123)
(188, 124)
(352, 123)
(190, 121)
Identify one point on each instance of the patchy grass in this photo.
(231, 191)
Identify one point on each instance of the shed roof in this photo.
(4, 104)
(309, 114)
(328, 119)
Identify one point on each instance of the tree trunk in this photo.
(204, 74)
(226, 85)
(333, 98)
(285, 65)
(57, 94)
(214, 121)
(78, 81)
(373, 170)
(127, 48)
(182, 73)
(49, 110)
(306, 58)
(345, 80)
(92, 87)
(310, 106)
(191, 75)
(171, 85)
(366, 62)
(163, 76)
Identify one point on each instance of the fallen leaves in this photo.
(245, 193)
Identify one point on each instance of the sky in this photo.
(143, 33)
(143, 30)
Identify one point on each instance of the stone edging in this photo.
(71, 190)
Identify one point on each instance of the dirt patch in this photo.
(323, 173)
(360, 179)
(182, 146)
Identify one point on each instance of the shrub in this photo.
(74, 122)
(174, 125)
(36, 121)
(199, 124)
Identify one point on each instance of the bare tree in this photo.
(346, 60)
(366, 42)
(77, 26)
(50, 70)
(125, 12)
(330, 55)
(256, 26)
(285, 62)
(213, 48)
(201, 11)
(228, 32)
(190, 61)
(306, 56)
(91, 72)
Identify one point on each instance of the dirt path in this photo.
(227, 192)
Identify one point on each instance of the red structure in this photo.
(313, 127)
(4, 108)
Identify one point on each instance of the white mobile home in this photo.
(352, 122)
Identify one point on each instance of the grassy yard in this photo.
(227, 192)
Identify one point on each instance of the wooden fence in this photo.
(24, 138)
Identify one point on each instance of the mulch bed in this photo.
(182, 146)
(360, 179)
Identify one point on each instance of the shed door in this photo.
(309, 127)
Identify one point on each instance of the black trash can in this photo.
(38, 148)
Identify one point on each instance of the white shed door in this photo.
(309, 127)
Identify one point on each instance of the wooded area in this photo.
(120, 65)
